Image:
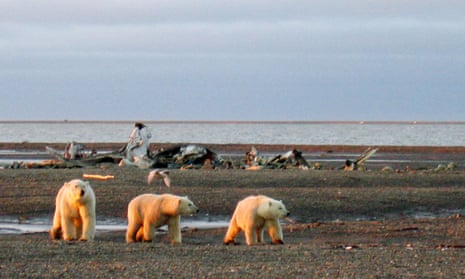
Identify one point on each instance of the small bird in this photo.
(159, 174)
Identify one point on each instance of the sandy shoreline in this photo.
(388, 242)
(394, 249)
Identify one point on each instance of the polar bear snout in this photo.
(288, 213)
(192, 208)
(82, 193)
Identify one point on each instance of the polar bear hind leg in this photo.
(140, 234)
(251, 235)
(232, 232)
(148, 232)
(260, 235)
(133, 232)
(56, 232)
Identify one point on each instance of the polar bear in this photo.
(74, 212)
(254, 214)
(147, 212)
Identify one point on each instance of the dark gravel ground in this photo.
(347, 225)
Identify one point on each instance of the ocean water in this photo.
(397, 134)
(11, 225)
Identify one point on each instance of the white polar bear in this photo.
(254, 214)
(147, 212)
(74, 212)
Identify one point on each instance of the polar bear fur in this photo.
(74, 212)
(254, 214)
(147, 212)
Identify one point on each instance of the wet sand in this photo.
(368, 224)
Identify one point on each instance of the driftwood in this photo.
(290, 159)
(182, 156)
(357, 164)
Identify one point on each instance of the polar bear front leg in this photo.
(69, 231)
(275, 231)
(88, 224)
(174, 229)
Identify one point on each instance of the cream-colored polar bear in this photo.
(74, 212)
(147, 212)
(254, 214)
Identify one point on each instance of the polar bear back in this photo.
(260, 206)
(156, 208)
(166, 203)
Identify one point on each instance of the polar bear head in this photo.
(177, 205)
(269, 208)
(186, 206)
(78, 190)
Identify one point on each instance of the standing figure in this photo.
(74, 151)
(139, 141)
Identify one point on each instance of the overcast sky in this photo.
(232, 60)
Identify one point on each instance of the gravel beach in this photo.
(363, 224)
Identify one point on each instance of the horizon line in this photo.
(243, 121)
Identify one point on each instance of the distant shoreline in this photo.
(242, 148)
(238, 122)
(332, 156)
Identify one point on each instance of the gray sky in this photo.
(232, 60)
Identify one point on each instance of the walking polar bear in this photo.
(147, 212)
(74, 216)
(254, 214)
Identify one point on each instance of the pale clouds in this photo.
(245, 60)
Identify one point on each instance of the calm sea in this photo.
(403, 134)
